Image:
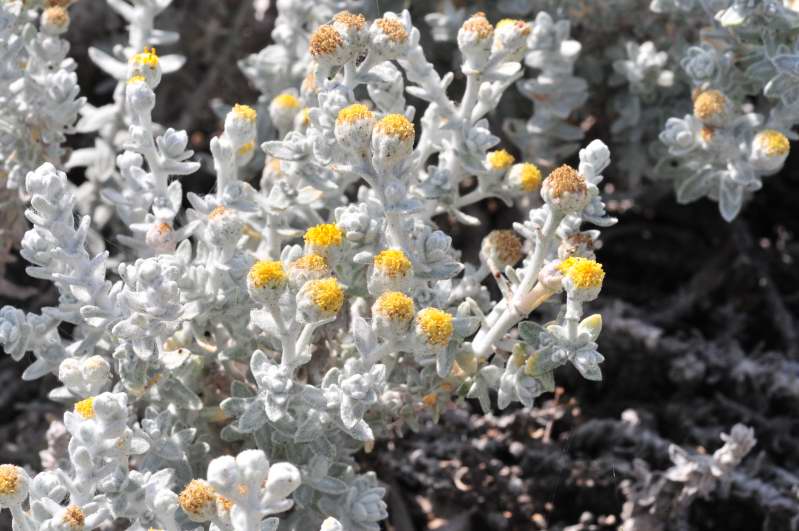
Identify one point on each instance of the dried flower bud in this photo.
(565, 190)
(224, 227)
(388, 38)
(713, 108)
(160, 238)
(309, 267)
(475, 39)
(501, 248)
(55, 20)
(198, 501)
(511, 36)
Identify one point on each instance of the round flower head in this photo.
(139, 96)
(325, 240)
(392, 314)
(160, 238)
(392, 141)
(511, 36)
(353, 128)
(582, 278)
(240, 125)
(266, 281)
(224, 227)
(329, 48)
(501, 248)
(524, 177)
(352, 28)
(391, 271)
(475, 38)
(499, 161)
(565, 190)
(283, 109)
(388, 38)
(320, 299)
(198, 501)
(85, 408)
(713, 108)
(146, 64)
(770, 148)
(72, 517)
(308, 267)
(13, 485)
(55, 20)
(434, 327)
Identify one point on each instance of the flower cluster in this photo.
(226, 367)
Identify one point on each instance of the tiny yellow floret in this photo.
(194, 499)
(353, 113)
(136, 79)
(530, 177)
(85, 408)
(9, 479)
(774, 143)
(583, 272)
(479, 24)
(267, 273)
(74, 517)
(393, 29)
(436, 325)
(324, 41)
(500, 160)
(326, 294)
(324, 235)
(396, 125)
(146, 58)
(566, 180)
(246, 148)
(392, 263)
(245, 112)
(351, 20)
(286, 101)
(395, 306)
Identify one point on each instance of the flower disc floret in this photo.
(500, 160)
(525, 177)
(773, 143)
(10, 480)
(147, 58)
(393, 263)
(73, 517)
(245, 112)
(393, 30)
(712, 108)
(286, 101)
(435, 325)
(395, 306)
(85, 408)
(479, 25)
(584, 273)
(397, 126)
(267, 273)
(565, 190)
(324, 235)
(350, 20)
(354, 113)
(198, 500)
(311, 262)
(502, 248)
(326, 294)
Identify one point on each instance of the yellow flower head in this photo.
(286, 101)
(395, 306)
(85, 408)
(436, 325)
(196, 498)
(324, 235)
(136, 79)
(56, 16)
(9, 479)
(245, 112)
(773, 143)
(326, 294)
(500, 160)
(709, 103)
(583, 272)
(479, 24)
(324, 41)
(267, 273)
(74, 517)
(393, 29)
(312, 262)
(146, 58)
(521, 25)
(565, 179)
(393, 263)
(353, 113)
(396, 125)
(529, 177)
